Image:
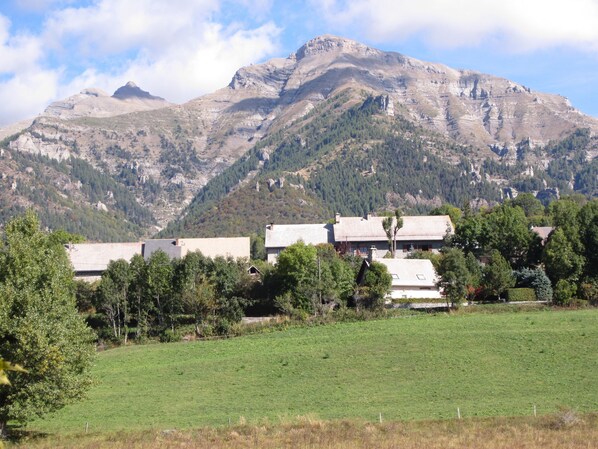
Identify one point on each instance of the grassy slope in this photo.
(407, 368)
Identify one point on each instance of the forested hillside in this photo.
(358, 159)
(70, 195)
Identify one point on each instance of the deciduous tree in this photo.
(40, 328)
(454, 275)
(391, 227)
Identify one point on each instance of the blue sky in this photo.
(181, 49)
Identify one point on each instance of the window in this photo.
(421, 277)
(395, 276)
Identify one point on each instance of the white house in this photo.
(357, 235)
(90, 260)
(235, 247)
(412, 278)
(279, 236)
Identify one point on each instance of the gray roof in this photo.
(169, 246)
(360, 229)
(543, 231)
(283, 235)
(97, 256)
(235, 247)
(410, 272)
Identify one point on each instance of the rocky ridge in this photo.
(181, 147)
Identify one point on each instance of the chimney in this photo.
(372, 254)
(368, 216)
(337, 218)
(271, 226)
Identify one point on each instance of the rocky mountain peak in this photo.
(332, 44)
(131, 90)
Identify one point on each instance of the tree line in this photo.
(164, 298)
(562, 268)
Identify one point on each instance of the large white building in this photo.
(90, 260)
(357, 235)
(278, 237)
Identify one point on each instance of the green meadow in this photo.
(406, 368)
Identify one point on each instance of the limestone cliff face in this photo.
(471, 107)
(182, 147)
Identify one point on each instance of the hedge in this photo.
(521, 294)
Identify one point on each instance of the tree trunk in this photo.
(3, 429)
(160, 311)
(138, 332)
(118, 318)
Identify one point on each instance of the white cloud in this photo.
(207, 65)
(173, 49)
(17, 53)
(24, 96)
(516, 25)
(115, 26)
(187, 71)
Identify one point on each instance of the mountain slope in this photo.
(472, 135)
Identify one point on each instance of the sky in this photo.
(181, 49)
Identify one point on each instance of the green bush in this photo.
(564, 292)
(521, 294)
(588, 290)
(170, 336)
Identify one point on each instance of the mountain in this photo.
(97, 103)
(342, 126)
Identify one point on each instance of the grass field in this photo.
(412, 368)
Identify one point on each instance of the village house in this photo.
(356, 235)
(235, 247)
(278, 237)
(411, 278)
(90, 260)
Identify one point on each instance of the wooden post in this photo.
(535, 411)
(380, 418)
(458, 413)
(86, 427)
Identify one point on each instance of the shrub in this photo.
(588, 290)
(564, 292)
(537, 280)
(521, 294)
(170, 336)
